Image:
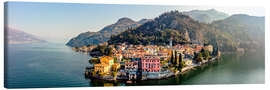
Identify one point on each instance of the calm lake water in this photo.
(55, 65)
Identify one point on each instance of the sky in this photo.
(59, 22)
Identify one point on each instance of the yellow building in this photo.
(106, 60)
(105, 65)
(102, 68)
(188, 62)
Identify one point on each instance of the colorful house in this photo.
(150, 64)
(101, 68)
(131, 68)
(105, 65)
(187, 61)
(163, 54)
(106, 60)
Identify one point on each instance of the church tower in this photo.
(171, 42)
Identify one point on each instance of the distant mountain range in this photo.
(93, 38)
(197, 26)
(15, 36)
(206, 16)
(247, 32)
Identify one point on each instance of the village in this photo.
(144, 62)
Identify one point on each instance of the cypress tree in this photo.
(175, 58)
(180, 62)
(171, 58)
(217, 49)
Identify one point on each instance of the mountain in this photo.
(237, 32)
(247, 31)
(15, 36)
(142, 21)
(228, 33)
(177, 26)
(94, 38)
(206, 16)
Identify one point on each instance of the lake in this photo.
(56, 65)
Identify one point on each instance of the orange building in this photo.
(106, 60)
(102, 68)
(105, 65)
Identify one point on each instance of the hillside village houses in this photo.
(137, 61)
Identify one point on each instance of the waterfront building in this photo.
(122, 73)
(132, 75)
(209, 48)
(101, 68)
(105, 65)
(187, 61)
(131, 68)
(150, 64)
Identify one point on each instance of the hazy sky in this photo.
(59, 22)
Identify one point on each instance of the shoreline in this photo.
(168, 75)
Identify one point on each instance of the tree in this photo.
(199, 57)
(93, 73)
(105, 50)
(172, 58)
(110, 52)
(180, 62)
(115, 60)
(94, 60)
(206, 54)
(183, 64)
(175, 70)
(115, 74)
(175, 58)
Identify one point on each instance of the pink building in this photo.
(150, 64)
